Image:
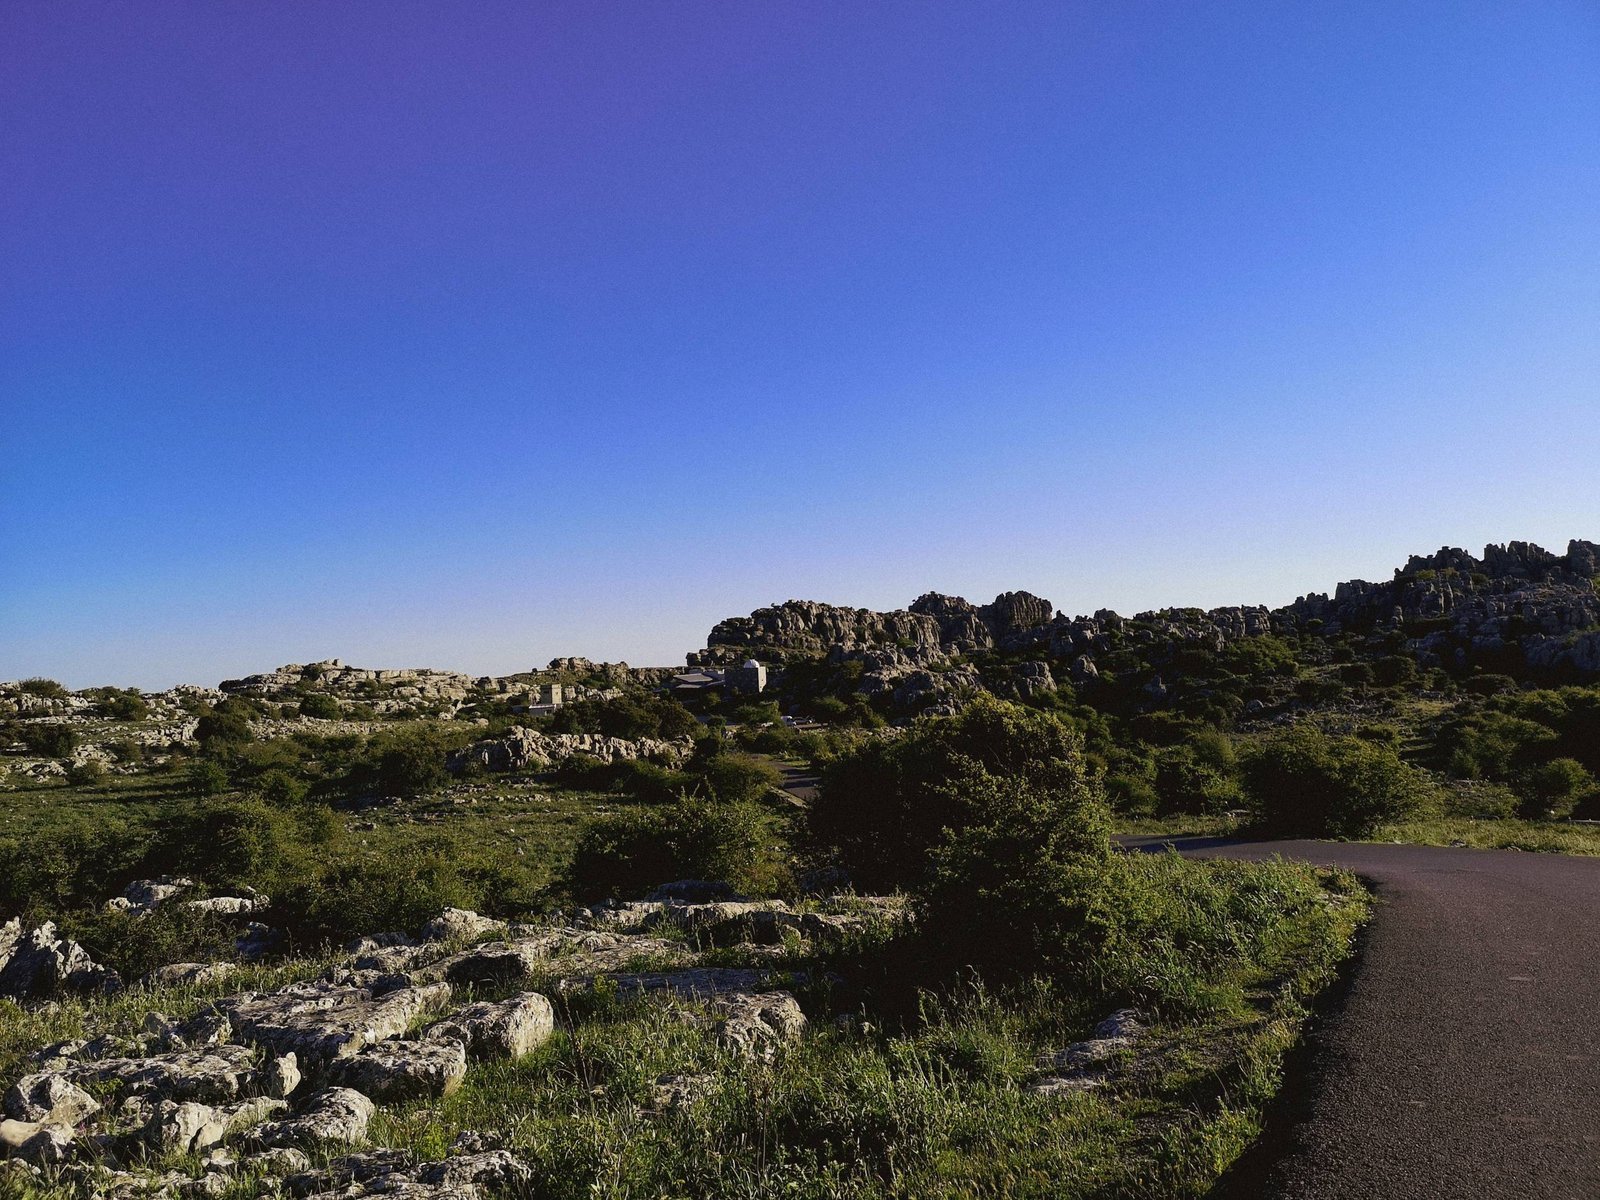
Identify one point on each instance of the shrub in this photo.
(47, 689)
(1551, 789)
(735, 778)
(1199, 776)
(320, 705)
(886, 806)
(1492, 745)
(280, 788)
(401, 889)
(628, 853)
(207, 778)
(405, 762)
(122, 705)
(1017, 880)
(85, 774)
(225, 725)
(48, 740)
(631, 717)
(1310, 784)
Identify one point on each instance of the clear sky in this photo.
(469, 334)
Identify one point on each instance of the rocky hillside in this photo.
(1519, 609)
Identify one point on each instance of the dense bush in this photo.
(47, 740)
(628, 853)
(47, 689)
(884, 808)
(121, 704)
(405, 762)
(1309, 784)
(737, 777)
(1553, 788)
(320, 705)
(631, 717)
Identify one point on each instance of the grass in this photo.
(1504, 833)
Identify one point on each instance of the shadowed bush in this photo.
(1309, 784)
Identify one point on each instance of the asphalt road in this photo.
(1463, 1057)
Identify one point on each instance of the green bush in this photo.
(629, 853)
(86, 774)
(47, 689)
(1309, 784)
(47, 740)
(225, 725)
(122, 704)
(1553, 788)
(1198, 778)
(734, 778)
(405, 762)
(207, 778)
(631, 717)
(884, 808)
(1493, 744)
(401, 889)
(320, 705)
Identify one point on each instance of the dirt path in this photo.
(1464, 1058)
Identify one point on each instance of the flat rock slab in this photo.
(332, 1115)
(215, 1073)
(396, 1071)
(507, 1029)
(320, 1020)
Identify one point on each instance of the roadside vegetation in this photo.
(928, 1037)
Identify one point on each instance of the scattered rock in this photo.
(188, 974)
(399, 1070)
(507, 1029)
(49, 1098)
(460, 925)
(320, 1020)
(757, 1025)
(1082, 1065)
(336, 1114)
(680, 1091)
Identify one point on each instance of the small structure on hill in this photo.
(747, 679)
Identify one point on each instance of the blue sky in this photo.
(466, 335)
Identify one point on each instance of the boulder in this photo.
(184, 1128)
(49, 1098)
(336, 1114)
(757, 1025)
(395, 1071)
(507, 1029)
(489, 963)
(460, 925)
(493, 1169)
(145, 895)
(35, 964)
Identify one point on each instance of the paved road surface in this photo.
(1464, 1059)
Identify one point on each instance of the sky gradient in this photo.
(467, 335)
